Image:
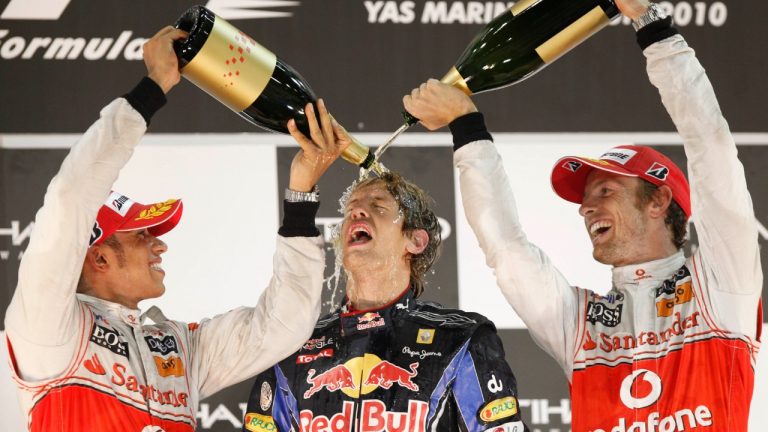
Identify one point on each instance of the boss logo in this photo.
(609, 317)
(163, 346)
(109, 339)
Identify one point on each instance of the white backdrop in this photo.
(220, 256)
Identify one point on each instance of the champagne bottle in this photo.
(518, 43)
(248, 78)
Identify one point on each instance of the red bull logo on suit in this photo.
(362, 375)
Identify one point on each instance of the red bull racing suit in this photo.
(408, 367)
(672, 346)
(85, 364)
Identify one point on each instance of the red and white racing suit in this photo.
(84, 364)
(672, 346)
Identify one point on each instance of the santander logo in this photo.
(631, 399)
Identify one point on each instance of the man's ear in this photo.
(418, 240)
(660, 202)
(97, 259)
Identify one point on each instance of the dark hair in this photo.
(418, 213)
(676, 220)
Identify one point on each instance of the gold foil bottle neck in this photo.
(454, 78)
(356, 153)
(571, 36)
(231, 67)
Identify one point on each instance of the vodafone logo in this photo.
(632, 387)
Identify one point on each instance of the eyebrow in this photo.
(374, 198)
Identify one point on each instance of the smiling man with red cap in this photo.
(83, 355)
(673, 344)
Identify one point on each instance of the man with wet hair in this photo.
(83, 355)
(673, 344)
(385, 360)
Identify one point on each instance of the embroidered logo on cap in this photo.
(118, 203)
(156, 210)
(96, 233)
(621, 156)
(572, 166)
(658, 171)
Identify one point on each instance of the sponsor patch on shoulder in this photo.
(425, 336)
(259, 422)
(498, 409)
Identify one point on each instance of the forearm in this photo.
(237, 345)
(524, 273)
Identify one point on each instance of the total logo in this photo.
(51, 10)
(642, 389)
(360, 376)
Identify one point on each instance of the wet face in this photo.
(616, 226)
(372, 235)
(135, 272)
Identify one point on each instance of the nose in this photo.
(159, 246)
(357, 212)
(587, 207)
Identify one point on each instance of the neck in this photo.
(372, 289)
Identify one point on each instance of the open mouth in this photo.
(359, 234)
(598, 229)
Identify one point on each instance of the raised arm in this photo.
(722, 209)
(42, 319)
(239, 344)
(529, 281)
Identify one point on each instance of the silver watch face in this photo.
(652, 14)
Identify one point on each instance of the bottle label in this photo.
(574, 34)
(231, 67)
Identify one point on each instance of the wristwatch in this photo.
(296, 196)
(652, 14)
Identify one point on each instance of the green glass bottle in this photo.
(248, 78)
(522, 41)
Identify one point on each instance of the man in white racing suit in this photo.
(84, 357)
(672, 346)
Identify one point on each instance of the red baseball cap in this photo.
(121, 213)
(569, 175)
